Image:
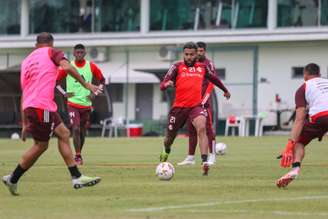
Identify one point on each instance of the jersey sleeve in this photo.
(61, 74)
(300, 100)
(212, 77)
(96, 72)
(211, 67)
(56, 56)
(170, 76)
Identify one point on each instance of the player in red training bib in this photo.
(206, 103)
(187, 77)
(311, 121)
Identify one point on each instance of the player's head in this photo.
(189, 53)
(79, 52)
(44, 39)
(311, 70)
(201, 51)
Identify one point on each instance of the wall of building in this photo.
(275, 64)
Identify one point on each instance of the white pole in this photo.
(272, 14)
(24, 20)
(144, 21)
(196, 22)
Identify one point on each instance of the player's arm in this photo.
(97, 74)
(169, 78)
(216, 81)
(24, 121)
(287, 155)
(208, 92)
(61, 74)
(298, 124)
(73, 72)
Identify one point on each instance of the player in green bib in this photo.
(79, 102)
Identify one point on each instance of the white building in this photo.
(259, 46)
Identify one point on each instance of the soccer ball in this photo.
(14, 136)
(220, 148)
(165, 171)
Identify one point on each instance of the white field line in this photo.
(281, 213)
(206, 204)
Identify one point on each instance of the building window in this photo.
(60, 16)
(221, 72)
(324, 12)
(116, 92)
(117, 15)
(298, 13)
(10, 13)
(297, 72)
(207, 14)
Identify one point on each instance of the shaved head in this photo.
(44, 38)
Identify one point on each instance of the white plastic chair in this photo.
(259, 123)
(234, 123)
(112, 125)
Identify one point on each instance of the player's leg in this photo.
(84, 120)
(40, 127)
(211, 137)
(64, 148)
(26, 162)
(75, 120)
(190, 159)
(176, 119)
(198, 116)
(296, 167)
(310, 131)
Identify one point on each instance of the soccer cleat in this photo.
(188, 161)
(206, 168)
(163, 156)
(85, 181)
(78, 160)
(211, 159)
(11, 186)
(288, 178)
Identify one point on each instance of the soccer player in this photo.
(187, 76)
(39, 116)
(311, 97)
(206, 103)
(79, 98)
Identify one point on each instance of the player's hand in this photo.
(94, 89)
(91, 96)
(169, 84)
(24, 132)
(68, 94)
(227, 95)
(287, 156)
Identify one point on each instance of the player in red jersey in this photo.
(79, 103)
(39, 111)
(188, 76)
(206, 103)
(311, 100)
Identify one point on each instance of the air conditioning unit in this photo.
(99, 54)
(167, 53)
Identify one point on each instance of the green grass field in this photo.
(241, 185)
